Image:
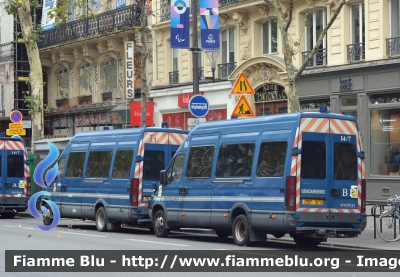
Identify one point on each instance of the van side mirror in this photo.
(26, 162)
(361, 155)
(163, 177)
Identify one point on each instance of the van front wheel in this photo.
(101, 220)
(241, 230)
(159, 225)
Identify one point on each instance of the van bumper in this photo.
(9, 204)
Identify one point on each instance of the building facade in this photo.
(355, 71)
(84, 65)
(6, 67)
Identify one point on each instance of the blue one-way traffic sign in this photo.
(198, 105)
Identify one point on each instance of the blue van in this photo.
(108, 176)
(14, 177)
(300, 174)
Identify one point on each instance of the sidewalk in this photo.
(365, 240)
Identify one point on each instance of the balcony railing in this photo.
(6, 52)
(174, 78)
(225, 69)
(165, 13)
(110, 21)
(320, 58)
(356, 52)
(393, 47)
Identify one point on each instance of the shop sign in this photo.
(119, 117)
(184, 98)
(269, 93)
(346, 84)
(136, 112)
(129, 70)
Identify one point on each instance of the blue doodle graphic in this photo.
(49, 177)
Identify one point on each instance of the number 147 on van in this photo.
(345, 138)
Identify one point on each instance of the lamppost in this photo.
(195, 49)
(212, 57)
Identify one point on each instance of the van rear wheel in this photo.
(160, 225)
(241, 230)
(101, 220)
(48, 218)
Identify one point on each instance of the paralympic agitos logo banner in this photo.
(49, 208)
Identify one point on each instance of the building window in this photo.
(110, 75)
(71, 12)
(314, 105)
(357, 23)
(356, 50)
(395, 18)
(175, 59)
(315, 24)
(228, 45)
(270, 36)
(86, 79)
(63, 82)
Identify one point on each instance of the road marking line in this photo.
(20, 227)
(36, 229)
(72, 233)
(158, 242)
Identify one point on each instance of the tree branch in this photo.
(290, 15)
(320, 39)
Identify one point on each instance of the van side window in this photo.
(200, 162)
(75, 164)
(98, 165)
(174, 172)
(271, 160)
(313, 160)
(15, 166)
(235, 160)
(122, 164)
(61, 166)
(154, 162)
(345, 161)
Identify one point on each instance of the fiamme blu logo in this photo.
(48, 207)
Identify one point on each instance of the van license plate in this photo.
(312, 202)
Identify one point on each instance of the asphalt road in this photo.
(22, 234)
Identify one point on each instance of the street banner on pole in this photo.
(180, 26)
(209, 24)
(48, 23)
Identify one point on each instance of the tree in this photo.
(289, 51)
(22, 11)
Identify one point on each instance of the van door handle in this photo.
(7, 184)
(183, 190)
(63, 188)
(335, 191)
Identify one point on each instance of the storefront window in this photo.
(315, 104)
(385, 142)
